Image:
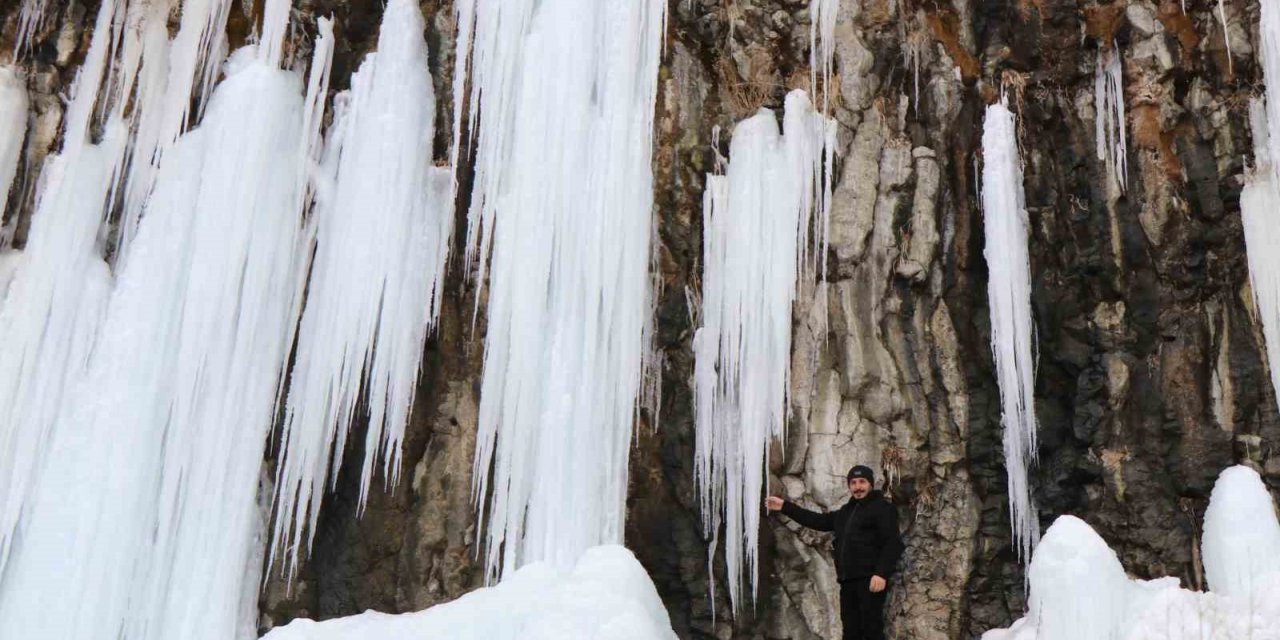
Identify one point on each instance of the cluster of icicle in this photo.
(384, 216)
(560, 224)
(1009, 297)
(756, 221)
(1079, 588)
(1260, 199)
(1109, 122)
(136, 399)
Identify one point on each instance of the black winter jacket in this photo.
(867, 541)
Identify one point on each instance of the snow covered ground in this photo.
(608, 596)
(1079, 590)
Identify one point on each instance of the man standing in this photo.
(866, 547)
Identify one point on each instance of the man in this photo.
(866, 547)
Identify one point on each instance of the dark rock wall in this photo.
(1152, 375)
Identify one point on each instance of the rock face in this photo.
(1152, 376)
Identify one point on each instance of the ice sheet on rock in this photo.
(1260, 217)
(89, 526)
(561, 114)
(606, 596)
(384, 223)
(56, 296)
(232, 346)
(1009, 298)
(756, 228)
(147, 521)
(1269, 44)
(13, 130)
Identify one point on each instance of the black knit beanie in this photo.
(861, 471)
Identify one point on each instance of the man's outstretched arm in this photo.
(807, 518)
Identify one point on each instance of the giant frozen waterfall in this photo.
(137, 405)
(227, 244)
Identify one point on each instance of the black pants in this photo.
(861, 611)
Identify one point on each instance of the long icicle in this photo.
(1009, 296)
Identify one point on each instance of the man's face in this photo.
(859, 488)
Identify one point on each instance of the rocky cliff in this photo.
(1152, 375)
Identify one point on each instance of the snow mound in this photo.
(608, 595)
(1078, 585)
(1079, 590)
(1241, 533)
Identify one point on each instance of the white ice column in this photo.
(1009, 296)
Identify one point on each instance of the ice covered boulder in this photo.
(607, 596)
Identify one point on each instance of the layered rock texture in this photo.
(1152, 375)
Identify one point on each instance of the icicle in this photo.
(565, 91)
(275, 27)
(313, 108)
(383, 230)
(13, 130)
(1109, 118)
(30, 18)
(756, 222)
(1009, 295)
(822, 47)
(1226, 34)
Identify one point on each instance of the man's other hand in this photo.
(773, 503)
(877, 584)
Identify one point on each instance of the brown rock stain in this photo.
(945, 25)
(1102, 22)
(1147, 134)
(1180, 25)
